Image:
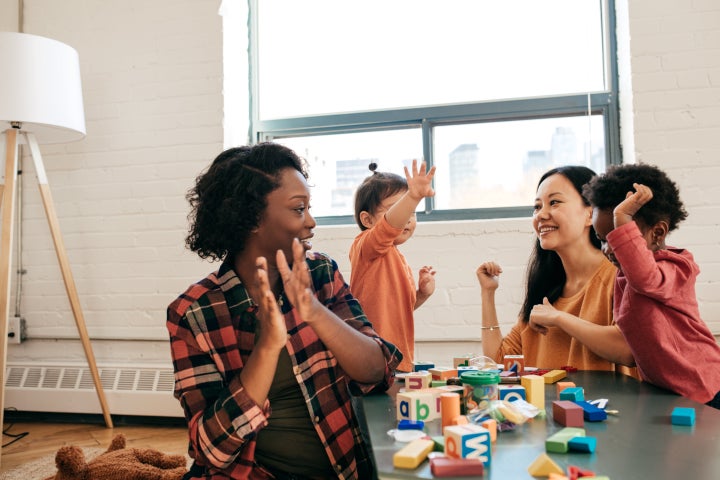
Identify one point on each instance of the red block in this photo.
(568, 413)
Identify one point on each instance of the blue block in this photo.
(683, 416)
(411, 424)
(582, 444)
(574, 394)
(591, 413)
(420, 366)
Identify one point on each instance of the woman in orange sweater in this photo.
(566, 318)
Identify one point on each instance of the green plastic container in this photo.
(480, 388)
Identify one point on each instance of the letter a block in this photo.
(468, 441)
(416, 405)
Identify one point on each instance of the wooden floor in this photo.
(46, 438)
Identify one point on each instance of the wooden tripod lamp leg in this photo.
(7, 193)
(66, 272)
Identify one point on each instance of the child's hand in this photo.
(420, 182)
(487, 274)
(426, 281)
(625, 211)
(543, 315)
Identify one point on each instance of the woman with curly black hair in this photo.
(266, 348)
(634, 209)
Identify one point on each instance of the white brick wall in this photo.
(152, 78)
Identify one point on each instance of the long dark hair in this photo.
(228, 200)
(545, 273)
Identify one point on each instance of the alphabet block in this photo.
(511, 392)
(468, 441)
(420, 366)
(443, 373)
(514, 363)
(416, 405)
(418, 380)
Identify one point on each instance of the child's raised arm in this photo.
(625, 211)
(419, 187)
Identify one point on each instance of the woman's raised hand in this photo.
(487, 274)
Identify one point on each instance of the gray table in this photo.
(639, 443)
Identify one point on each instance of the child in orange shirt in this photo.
(381, 279)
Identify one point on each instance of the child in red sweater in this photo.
(655, 307)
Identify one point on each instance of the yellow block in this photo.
(543, 466)
(534, 390)
(554, 375)
(413, 454)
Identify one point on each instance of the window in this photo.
(494, 93)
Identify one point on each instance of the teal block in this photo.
(582, 444)
(683, 416)
(574, 394)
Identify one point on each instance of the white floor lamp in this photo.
(40, 102)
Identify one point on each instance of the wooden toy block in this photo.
(456, 467)
(437, 383)
(560, 386)
(420, 366)
(418, 380)
(574, 394)
(449, 407)
(492, 427)
(591, 413)
(534, 389)
(417, 405)
(575, 472)
(443, 373)
(554, 376)
(683, 416)
(543, 466)
(413, 454)
(463, 360)
(468, 441)
(514, 363)
(439, 443)
(557, 476)
(582, 444)
(460, 420)
(558, 442)
(511, 392)
(567, 413)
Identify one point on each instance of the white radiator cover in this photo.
(69, 388)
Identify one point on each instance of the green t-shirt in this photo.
(289, 442)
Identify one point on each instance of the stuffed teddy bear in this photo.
(118, 463)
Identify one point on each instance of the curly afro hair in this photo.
(608, 190)
(228, 200)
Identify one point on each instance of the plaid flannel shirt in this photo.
(212, 333)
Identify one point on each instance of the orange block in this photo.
(560, 386)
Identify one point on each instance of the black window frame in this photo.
(603, 103)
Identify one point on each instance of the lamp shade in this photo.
(40, 87)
